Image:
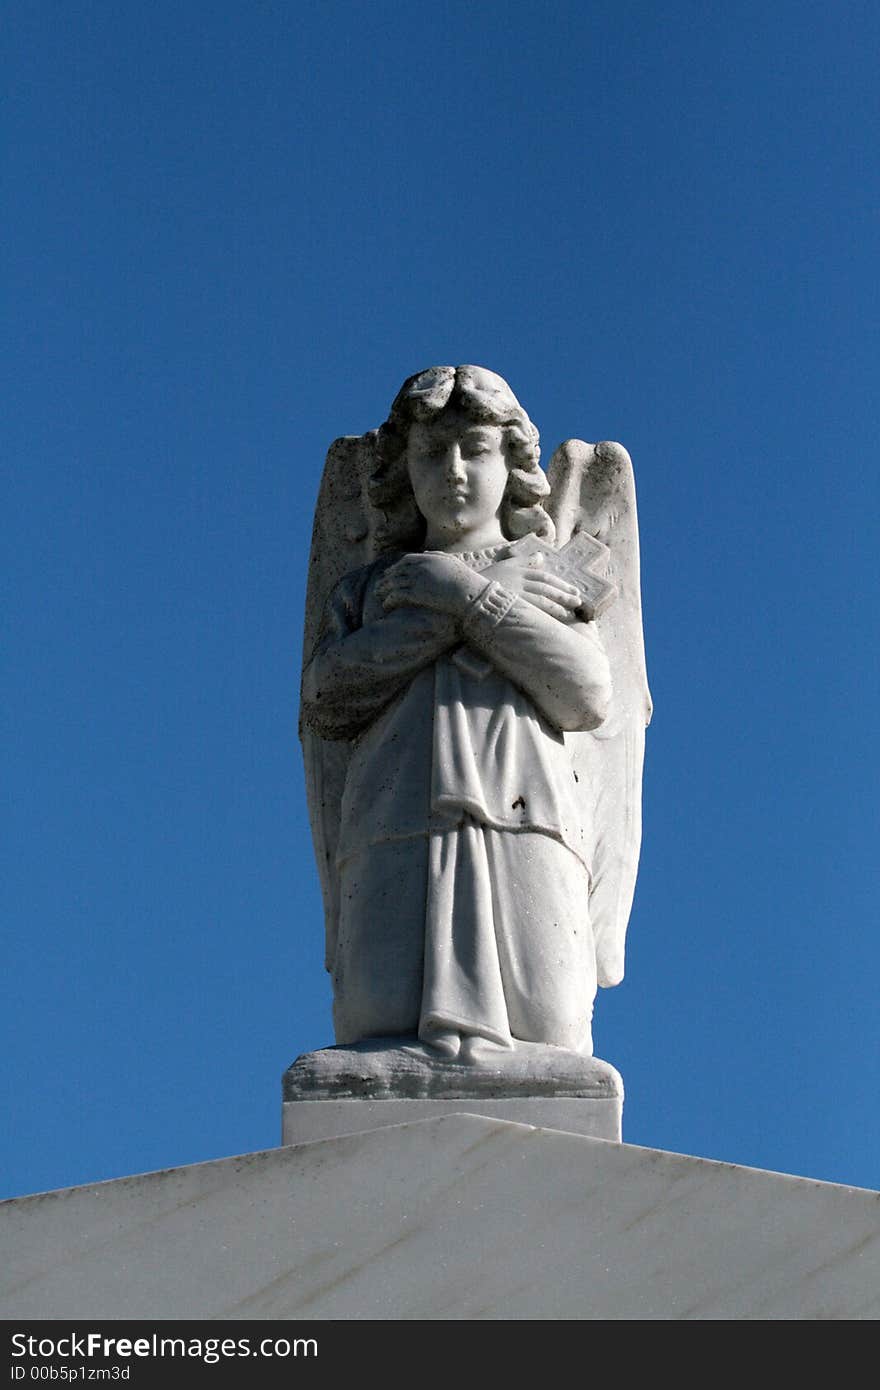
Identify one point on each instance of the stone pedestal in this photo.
(349, 1089)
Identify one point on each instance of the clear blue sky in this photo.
(231, 230)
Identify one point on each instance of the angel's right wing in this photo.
(593, 490)
(343, 540)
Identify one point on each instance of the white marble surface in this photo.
(456, 1218)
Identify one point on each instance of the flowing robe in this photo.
(463, 876)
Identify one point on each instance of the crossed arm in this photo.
(516, 617)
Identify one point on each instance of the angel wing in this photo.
(593, 491)
(343, 539)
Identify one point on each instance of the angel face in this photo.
(458, 469)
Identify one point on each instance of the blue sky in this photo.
(231, 231)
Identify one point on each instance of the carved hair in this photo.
(486, 399)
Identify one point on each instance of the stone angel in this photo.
(474, 704)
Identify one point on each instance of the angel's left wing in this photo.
(343, 539)
(593, 492)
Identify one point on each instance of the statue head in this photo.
(476, 396)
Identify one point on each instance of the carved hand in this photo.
(431, 580)
(545, 590)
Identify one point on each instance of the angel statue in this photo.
(474, 703)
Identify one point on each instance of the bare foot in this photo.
(445, 1042)
(481, 1052)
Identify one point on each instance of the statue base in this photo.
(388, 1081)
